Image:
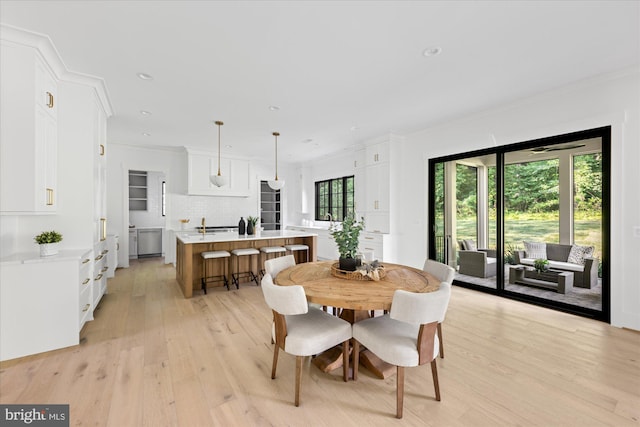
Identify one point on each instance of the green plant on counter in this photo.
(48, 237)
(253, 220)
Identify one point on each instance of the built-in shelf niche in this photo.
(269, 207)
(137, 190)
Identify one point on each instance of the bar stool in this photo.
(221, 255)
(293, 248)
(235, 276)
(269, 250)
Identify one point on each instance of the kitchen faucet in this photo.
(330, 217)
(204, 228)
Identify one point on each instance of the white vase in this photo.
(48, 249)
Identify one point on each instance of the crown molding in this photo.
(45, 47)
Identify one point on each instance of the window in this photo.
(336, 197)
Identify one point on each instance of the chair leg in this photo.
(356, 358)
(436, 385)
(439, 329)
(345, 360)
(299, 360)
(275, 361)
(399, 391)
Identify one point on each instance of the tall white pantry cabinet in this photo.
(53, 150)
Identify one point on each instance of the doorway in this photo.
(499, 214)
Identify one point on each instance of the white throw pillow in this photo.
(470, 245)
(536, 250)
(577, 254)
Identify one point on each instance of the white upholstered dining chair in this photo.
(303, 331)
(445, 274)
(406, 336)
(275, 265)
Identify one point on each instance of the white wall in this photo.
(302, 203)
(609, 100)
(218, 211)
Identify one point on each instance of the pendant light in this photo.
(218, 180)
(276, 184)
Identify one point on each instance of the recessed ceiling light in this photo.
(228, 146)
(306, 141)
(274, 108)
(145, 113)
(432, 51)
(145, 76)
(352, 128)
(146, 134)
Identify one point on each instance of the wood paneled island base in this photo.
(189, 248)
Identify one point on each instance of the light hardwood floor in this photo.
(153, 358)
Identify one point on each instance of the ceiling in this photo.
(340, 72)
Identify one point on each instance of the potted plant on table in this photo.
(541, 265)
(49, 242)
(346, 237)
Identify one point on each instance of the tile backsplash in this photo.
(217, 211)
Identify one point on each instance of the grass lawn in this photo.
(587, 232)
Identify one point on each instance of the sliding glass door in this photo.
(528, 221)
(465, 220)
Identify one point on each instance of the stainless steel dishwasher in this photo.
(149, 242)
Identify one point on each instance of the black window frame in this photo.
(343, 206)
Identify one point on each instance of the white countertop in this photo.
(34, 257)
(191, 237)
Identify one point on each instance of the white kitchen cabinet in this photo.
(44, 302)
(377, 153)
(375, 246)
(326, 247)
(372, 186)
(82, 161)
(201, 165)
(100, 267)
(360, 182)
(29, 134)
(113, 247)
(133, 244)
(360, 160)
(85, 281)
(377, 187)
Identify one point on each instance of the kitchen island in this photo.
(189, 246)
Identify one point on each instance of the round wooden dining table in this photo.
(322, 287)
(356, 298)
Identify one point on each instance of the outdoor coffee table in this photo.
(559, 281)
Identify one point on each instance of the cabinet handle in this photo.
(105, 268)
(49, 196)
(86, 307)
(104, 251)
(118, 246)
(103, 229)
(101, 149)
(86, 261)
(369, 238)
(99, 257)
(49, 100)
(369, 249)
(86, 281)
(98, 277)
